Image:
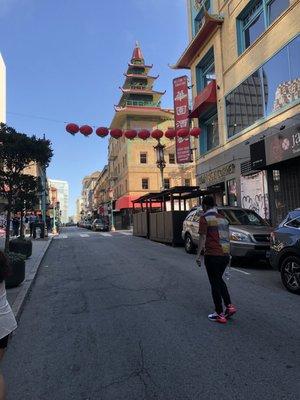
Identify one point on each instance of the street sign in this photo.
(181, 115)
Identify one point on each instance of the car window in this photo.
(197, 215)
(294, 223)
(190, 216)
(242, 217)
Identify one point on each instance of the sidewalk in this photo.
(17, 296)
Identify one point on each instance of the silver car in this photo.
(249, 233)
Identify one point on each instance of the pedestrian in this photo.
(215, 243)
(32, 222)
(48, 224)
(7, 319)
(15, 225)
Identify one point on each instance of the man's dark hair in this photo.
(208, 201)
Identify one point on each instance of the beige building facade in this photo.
(2, 90)
(245, 67)
(132, 168)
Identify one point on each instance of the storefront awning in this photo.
(124, 202)
(205, 99)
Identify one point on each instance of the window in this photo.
(187, 182)
(232, 192)
(145, 183)
(143, 158)
(205, 70)
(275, 8)
(255, 19)
(276, 75)
(171, 158)
(201, 8)
(166, 183)
(209, 137)
(244, 105)
(294, 223)
(275, 85)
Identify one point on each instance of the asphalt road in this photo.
(115, 317)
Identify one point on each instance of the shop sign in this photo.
(282, 146)
(258, 155)
(217, 175)
(181, 116)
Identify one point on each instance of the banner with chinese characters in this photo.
(181, 115)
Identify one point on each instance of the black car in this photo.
(285, 251)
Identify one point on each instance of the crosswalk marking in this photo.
(84, 235)
(61, 237)
(126, 233)
(105, 234)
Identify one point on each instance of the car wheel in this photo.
(290, 274)
(188, 244)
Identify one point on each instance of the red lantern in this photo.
(144, 134)
(86, 130)
(116, 133)
(102, 132)
(170, 134)
(72, 128)
(184, 132)
(157, 134)
(195, 132)
(130, 134)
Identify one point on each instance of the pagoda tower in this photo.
(138, 97)
(132, 170)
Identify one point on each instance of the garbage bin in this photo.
(41, 226)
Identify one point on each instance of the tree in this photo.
(17, 151)
(27, 197)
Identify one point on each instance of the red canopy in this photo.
(206, 98)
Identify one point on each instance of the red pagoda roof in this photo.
(137, 54)
(140, 76)
(141, 91)
(139, 65)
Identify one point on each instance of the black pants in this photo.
(31, 228)
(215, 266)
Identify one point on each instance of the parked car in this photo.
(249, 233)
(99, 225)
(88, 224)
(285, 251)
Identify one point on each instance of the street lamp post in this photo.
(160, 160)
(112, 222)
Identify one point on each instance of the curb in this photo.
(18, 304)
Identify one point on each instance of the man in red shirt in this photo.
(214, 241)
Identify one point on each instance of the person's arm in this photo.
(202, 236)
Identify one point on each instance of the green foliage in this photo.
(27, 194)
(16, 258)
(21, 246)
(17, 151)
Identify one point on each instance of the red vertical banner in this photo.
(181, 115)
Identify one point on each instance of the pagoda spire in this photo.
(137, 55)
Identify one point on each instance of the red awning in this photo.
(125, 202)
(206, 98)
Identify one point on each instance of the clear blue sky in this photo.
(65, 61)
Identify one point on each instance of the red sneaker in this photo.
(230, 310)
(215, 317)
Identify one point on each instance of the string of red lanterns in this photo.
(131, 134)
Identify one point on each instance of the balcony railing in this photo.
(138, 87)
(140, 103)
